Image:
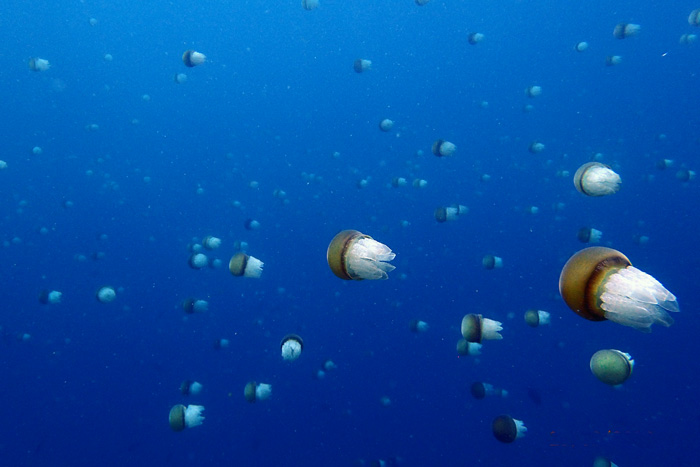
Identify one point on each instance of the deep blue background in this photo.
(275, 99)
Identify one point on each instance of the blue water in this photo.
(121, 203)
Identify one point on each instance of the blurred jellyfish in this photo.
(533, 91)
(492, 262)
(442, 148)
(108, 57)
(211, 243)
(535, 318)
(191, 388)
(37, 151)
(663, 164)
(420, 183)
(601, 461)
(464, 347)
(536, 147)
(309, 4)
(612, 60)
(193, 305)
(418, 326)
(180, 78)
(251, 224)
(3, 165)
(450, 213)
(685, 175)
(687, 39)
(386, 125)
(422, 2)
(361, 65)
(506, 429)
(694, 17)
(106, 294)
(243, 265)
(291, 346)
(475, 37)
(385, 401)
(596, 179)
(198, 261)
(476, 328)
(191, 58)
(353, 255)
(257, 392)
(221, 344)
(623, 30)
(92, 21)
(480, 390)
(182, 417)
(398, 182)
(50, 297)
(581, 46)
(589, 235)
(612, 366)
(39, 64)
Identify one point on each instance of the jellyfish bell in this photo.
(506, 429)
(535, 318)
(386, 125)
(492, 262)
(198, 261)
(180, 78)
(589, 235)
(475, 37)
(211, 243)
(596, 179)
(190, 388)
(581, 46)
(600, 283)
(623, 30)
(182, 417)
(309, 4)
(193, 305)
(612, 60)
(39, 64)
(52, 297)
(353, 255)
(480, 390)
(192, 58)
(251, 224)
(687, 39)
(242, 264)
(476, 328)
(612, 366)
(398, 182)
(254, 392)
(533, 91)
(536, 147)
(663, 164)
(685, 175)
(291, 347)
(419, 183)
(106, 294)
(417, 326)
(361, 65)
(442, 148)
(221, 344)
(465, 348)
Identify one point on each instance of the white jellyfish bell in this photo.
(291, 346)
(39, 64)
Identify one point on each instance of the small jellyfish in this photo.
(3, 165)
(612, 366)
(198, 261)
(600, 283)
(492, 262)
(106, 294)
(353, 255)
(418, 326)
(251, 224)
(475, 37)
(257, 392)
(623, 30)
(398, 182)
(309, 4)
(533, 91)
(386, 125)
(221, 344)
(39, 64)
(596, 179)
(476, 328)
(361, 65)
(211, 243)
(685, 175)
(180, 78)
(442, 148)
(450, 213)
(182, 417)
(193, 305)
(50, 297)
(694, 17)
(480, 390)
(581, 46)
(687, 39)
(291, 346)
(612, 60)
(191, 58)
(536, 147)
(422, 2)
(663, 164)
(506, 429)
(242, 264)
(464, 347)
(419, 183)
(589, 235)
(535, 318)
(601, 461)
(190, 388)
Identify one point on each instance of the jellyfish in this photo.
(182, 417)
(221, 344)
(480, 390)
(398, 182)
(596, 179)
(476, 328)
(257, 392)
(533, 91)
(535, 318)
(190, 388)
(536, 147)
(309, 4)
(422, 2)
(39, 64)
(106, 294)
(465, 347)
(3, 165)
(291, 345)
(492, 262)
(685, 175)
(193, 305)
(198, 261)
(623, 30)
(353, 255)
(361, 65)
(581, 46)
(600, 283)
(53, 297)
(475, 37)
(180, 78)
(417, 325)
(386, 125)
(419, 183)
(242, 264)
(251, 224)
(612, 60)
(442, 148)
(211, 243)
(694, 17)
(687, 39)
(589, 235)
(450, 213)
(601, 461)
(191, 58)
(612, 366)
(506, 429)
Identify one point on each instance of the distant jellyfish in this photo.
(50, 297)
(506, 429)
(106, 294)
(623, 30)
(536, 147)
(190, 388)
(92, 21)
(192, 58)
(108, 57)
(291, 346)
(353, 255)
(492, 262)
(480, 390)
(535, 318)
(581, 46)
(251, 224)
(419, 183)
(694, 17)
(589, 235)
(418, 326)
(254, 392)
(39, 64)
(211, 243)
(309, 4)
(533, 91)
(596, 179)
(663, 164)
(601, 461)
(442, 148)
(527, 108)
(398, 182)
(450, 213)
(475, 38)
(193, 305)
(385, 401)
(422, 2)
(198, 261)
(386, 125)
(182, 417)
(640, 240)
(3, 165)
(180, 78)
(476, 328)
(612, 366)
(242, 264)
(685, 175)
(221, 344)
(612, 60)
(687, 39)
(361, 65)
(600, 283)
(464, 348)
